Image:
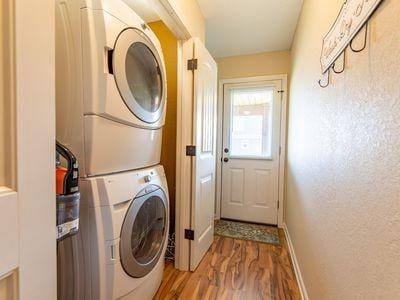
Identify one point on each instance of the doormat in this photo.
(246, 231)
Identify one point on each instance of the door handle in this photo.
(226, 159)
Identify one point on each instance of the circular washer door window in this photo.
(139, 75)
(143, 234)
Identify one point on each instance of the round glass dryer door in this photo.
(139, 75)
(144, 232)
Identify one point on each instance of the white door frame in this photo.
(183, 162)
(32, 81)
(168, 12)
(170, 15)
(282, 142)
(35, 91)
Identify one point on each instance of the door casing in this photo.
(169, 14)
(282, 143)
(27, 201)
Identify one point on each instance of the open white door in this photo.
(204, 70)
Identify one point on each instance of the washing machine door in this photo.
(139, 75)
(144, 232)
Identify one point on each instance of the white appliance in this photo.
(110, 86)
(124, 223)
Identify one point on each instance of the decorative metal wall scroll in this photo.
(353, 17)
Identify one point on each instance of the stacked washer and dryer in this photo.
(111, 99)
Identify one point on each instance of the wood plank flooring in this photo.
(235, 269)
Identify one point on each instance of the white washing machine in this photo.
(110, 86)
(124, 223)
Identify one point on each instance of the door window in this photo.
(144, 76)
(251, 122)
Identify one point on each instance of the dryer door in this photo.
(144, 232)
(139, 75)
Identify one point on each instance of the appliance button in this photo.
(147, 178)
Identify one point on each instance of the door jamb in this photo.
(282, 142)
(169, 14)
(183, 193)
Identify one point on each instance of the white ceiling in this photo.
(144, 9)
(237, 27)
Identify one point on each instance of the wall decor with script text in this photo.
(353, 17)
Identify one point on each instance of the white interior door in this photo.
(250, 162)
(204, 162)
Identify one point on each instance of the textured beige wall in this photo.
(268, 63)
(343, 193)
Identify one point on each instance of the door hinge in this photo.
(280, 150)
(190, 150)
(281, 91)
(192, 64)
(189, 234)
(277, 205)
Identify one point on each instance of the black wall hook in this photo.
(343, 65)
(365, 40)
(328, 79)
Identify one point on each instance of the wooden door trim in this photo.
(283, 137)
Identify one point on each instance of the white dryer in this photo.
(110, 86)
(124, 223)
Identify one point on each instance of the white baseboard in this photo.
(297, 271)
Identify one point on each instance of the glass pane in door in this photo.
(251, 122)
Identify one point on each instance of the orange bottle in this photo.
(60, 175)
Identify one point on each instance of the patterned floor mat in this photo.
(247, 231)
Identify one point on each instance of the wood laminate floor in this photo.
(235, 269)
